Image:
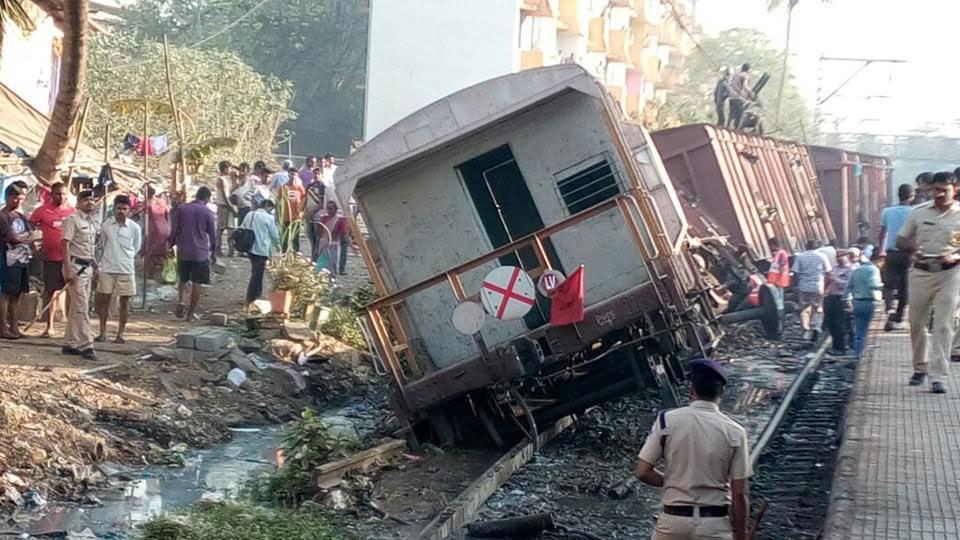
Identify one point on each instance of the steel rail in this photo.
(766, 437)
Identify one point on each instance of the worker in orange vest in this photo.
(779, 273)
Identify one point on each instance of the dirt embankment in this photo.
(61, 416)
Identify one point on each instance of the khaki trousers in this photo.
(937, 291)
(78, 334)
(692, 528)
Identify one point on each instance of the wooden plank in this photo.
(463, 509)
(100, 369)
(361, 460)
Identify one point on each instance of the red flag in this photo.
(566, 304)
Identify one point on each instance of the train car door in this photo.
(507, 212)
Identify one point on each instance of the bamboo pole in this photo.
(176, 120)
(76, 142)
(106, 160)
(146, 186)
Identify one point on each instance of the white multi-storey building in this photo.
(422, 50)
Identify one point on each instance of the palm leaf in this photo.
(12, 10)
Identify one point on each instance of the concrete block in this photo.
(213, 340)
(188, 339)
(186, 355)
(219, 319)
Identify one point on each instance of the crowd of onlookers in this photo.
(916, 262)
(92, 247)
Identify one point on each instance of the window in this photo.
(588, 186)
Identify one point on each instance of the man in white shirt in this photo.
(809, 268)
(121, 242)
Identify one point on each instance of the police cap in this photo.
(708, 366)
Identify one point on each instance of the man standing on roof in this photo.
(195, 235)
(896, 262)
(49, 217)
(706, 464)
(121, 243)
(932, 233)
(809, 268)
(16, 253)
(79, 236)
(740, 94)
(721, 94)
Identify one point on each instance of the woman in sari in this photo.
(158, 232)
(329, 229)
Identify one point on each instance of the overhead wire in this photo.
(679, 18)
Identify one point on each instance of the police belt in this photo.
(688, 511)
(934, 265)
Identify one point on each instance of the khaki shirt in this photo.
(937, 233)
(80, 230)
(704, 450)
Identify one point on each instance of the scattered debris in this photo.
(237, 377)
(515, 527)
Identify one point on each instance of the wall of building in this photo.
(424, 221)
(27, 64)
(422, 50)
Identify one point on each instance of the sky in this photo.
(882, 98)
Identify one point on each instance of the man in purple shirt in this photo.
(195, 235)
(306, 172)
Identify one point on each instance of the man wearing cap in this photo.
(932, 233)
(705, 464)
(79, 236)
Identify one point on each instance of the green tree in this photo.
(692, 101)
(320, 45)
(218, 94)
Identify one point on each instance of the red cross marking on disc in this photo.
(508, 293)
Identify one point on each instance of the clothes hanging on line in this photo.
(153, 146)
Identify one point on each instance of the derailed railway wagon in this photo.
(534, 170)
(855, 186)
(753, 187)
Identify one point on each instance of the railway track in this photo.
(794, 459)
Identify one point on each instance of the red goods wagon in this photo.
(755, 187)
(855, 188)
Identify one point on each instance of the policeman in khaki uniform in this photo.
(932, 233)
(79, 235)
(706, 464)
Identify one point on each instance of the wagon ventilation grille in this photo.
(587, 187)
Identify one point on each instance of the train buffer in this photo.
(896, 472)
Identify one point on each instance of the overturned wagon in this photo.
(534, 170)
(752, 187)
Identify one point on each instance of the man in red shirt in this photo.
(49, 217)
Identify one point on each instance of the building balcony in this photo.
(596, 40)
(536, 8)
(670, 77)
(669, 33)
(573, 17)
(531, 59)
(620, 46)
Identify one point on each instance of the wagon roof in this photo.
(455, 116)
